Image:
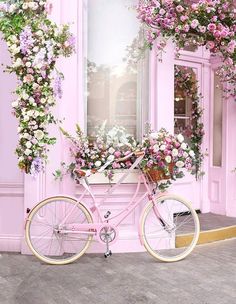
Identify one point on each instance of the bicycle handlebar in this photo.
(136, 153)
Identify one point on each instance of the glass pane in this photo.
(217, 123)
(113, 85)
(184, 76)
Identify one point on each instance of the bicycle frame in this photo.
(116, 220)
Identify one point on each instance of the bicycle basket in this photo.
(156, 175)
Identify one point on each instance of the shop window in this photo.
(184, 78)
(115, 87)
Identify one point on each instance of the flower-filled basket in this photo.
(164, 159)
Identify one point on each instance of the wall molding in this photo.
(11, 189)
(10, 243)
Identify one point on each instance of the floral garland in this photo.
(209, 23)
(186, 81)
(34, 43)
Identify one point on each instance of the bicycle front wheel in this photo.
(45, 237)
(170, 228)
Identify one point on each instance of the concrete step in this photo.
(213, 228)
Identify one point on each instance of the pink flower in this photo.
(179, 8)
(210, 45)
(186, 28)
(194, 6)
(214, 18)
(211, 27)
(183, 18)
(116, 165)
(48, 8)
(194, 23)
(28, 78)
(162, 11)
(202, 29)
(217, 34)
(117, 154)
(128, 163)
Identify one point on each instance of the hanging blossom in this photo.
(26, 40)
(206, 23)
(57, 88)
(35, 43)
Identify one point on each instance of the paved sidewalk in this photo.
(208, 276)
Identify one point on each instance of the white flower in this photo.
(15, 104)
(154, 135)
(36, 49)
(111, 150)
(174, 152)
(39, 134)
(168, 159)
(184, 146)
(12, 8)
(155, 148)
(180, 138)
(28, 144)
(31, 99)
(28, 64)
(28, 152)
(13, 38)
(162, 147)
(14, 49)
(191, 153)
(98, 163)
(111, 157)
(24, 95)
(17, 63)
(39, 33)
(26, 118)
(179, 164)
(25, 6)
(185, 154)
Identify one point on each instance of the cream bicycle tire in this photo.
(193, 243)
(39, 207)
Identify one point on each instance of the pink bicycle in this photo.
(60, 229)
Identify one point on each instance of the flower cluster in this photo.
(209, 23)
(186, 81)
(34, 43)
(162, 151)
(106, 147)
(167, 153)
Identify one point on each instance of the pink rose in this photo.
(186, 28)
(162, 11)
(183, 18)
(117, 154)
(210, 45)
(217, 34)
(194, 23)
(179, 8)
(28, 78)
(202, 29)
(194, 6)
(211, 27)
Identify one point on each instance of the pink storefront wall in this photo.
(19, 192)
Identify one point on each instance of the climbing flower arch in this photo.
(209, 23)
(34, 43)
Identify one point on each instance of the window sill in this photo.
(100, 178)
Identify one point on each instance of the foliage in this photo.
(185, 80)
(35, 43)
(209, 23)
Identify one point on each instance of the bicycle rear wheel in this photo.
(43, 234)
(170, 228)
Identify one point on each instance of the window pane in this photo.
(217, 123)
(184, 76)
(113, 86)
